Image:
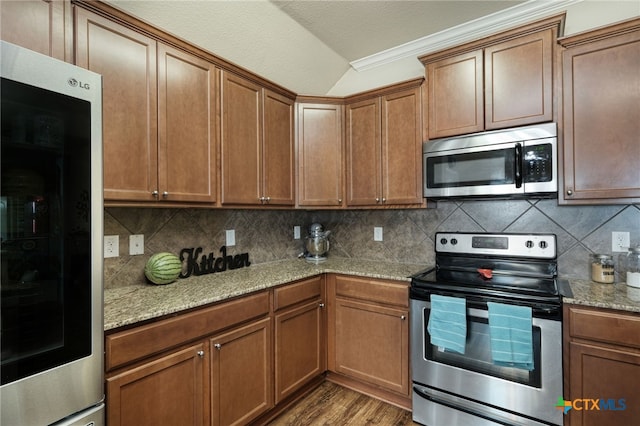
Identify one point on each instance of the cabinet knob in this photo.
(165, 194)
(200, 354)
(377, 200)
(155, 194)
(384, 200)
(261, 199)
(268, 199)
(218, 346)
(569, 191)
(403, 317)
(339, 200)
(321, 305)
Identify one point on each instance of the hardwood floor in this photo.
(331, 404)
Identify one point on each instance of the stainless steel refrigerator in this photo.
(51, 232)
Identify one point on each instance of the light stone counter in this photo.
(132, 304)
(611, 296)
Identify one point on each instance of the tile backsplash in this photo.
(267, 235)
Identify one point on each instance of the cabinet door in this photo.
(601, 88)
(241, 374)
(371, 344)
(241, 140)
(127, 62)
(38, 25)
(186, 134)
(519, 81)
(456, 99)
(364, 180)
(402, 147)
(278, 150)
(299, 347)
(610, 375)
(320, 155)
(166, 391)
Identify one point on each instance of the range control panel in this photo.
(539, 246)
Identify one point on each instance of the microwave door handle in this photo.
(518, 168)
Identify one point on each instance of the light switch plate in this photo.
(111, 246)
(377, 233)
(231, 237)
(136, 244)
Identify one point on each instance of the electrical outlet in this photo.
(111, 246)
(231, 237)
(620, 241)
(296, 232)
(377, 233)
(136, 244)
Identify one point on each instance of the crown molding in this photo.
(463, 33)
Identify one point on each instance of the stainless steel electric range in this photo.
(469, 384)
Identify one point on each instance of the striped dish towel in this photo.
(510, 329)
(448, 322)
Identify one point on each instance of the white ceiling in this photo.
(308, 46)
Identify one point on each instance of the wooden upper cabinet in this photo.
(44, 26)
(383, 149)
(364, 171)
(320, 169)
(502, 81)
(601, 116)
(158, 114)
(186, 139)
(126, 60)
(241, 140)
(402, 147)
(455, 95)
(278, 163)
(518, 77)
(257, 144)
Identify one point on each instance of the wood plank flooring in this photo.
(332, 404)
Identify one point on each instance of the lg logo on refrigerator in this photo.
(75, 83)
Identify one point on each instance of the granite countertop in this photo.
(132, 304)
(611, 296)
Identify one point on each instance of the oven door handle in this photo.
(518, 165)
(467, 410)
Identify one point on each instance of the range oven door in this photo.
(452, 388)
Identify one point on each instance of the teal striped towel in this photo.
(448, 322)
(510, 329)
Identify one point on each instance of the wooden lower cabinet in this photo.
(168, 390)
(241, 385)
(602, 367)
(300, 348)
(369, 335)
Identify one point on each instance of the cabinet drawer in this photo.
(291, 294)
(605, 326)
(373, 290)
(131, 345)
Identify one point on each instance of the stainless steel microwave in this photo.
(511, 163)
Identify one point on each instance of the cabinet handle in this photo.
(569, 191)
(377, 200)
(402, 317)
(321, 305)
(165, 194)
(155, 194)
(268, 199)
(200, 354)
(339, 200)
(384, 200)
(218, 346)
(261, 199)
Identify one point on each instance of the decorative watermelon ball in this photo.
(163, 268)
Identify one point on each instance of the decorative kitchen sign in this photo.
(211, 264)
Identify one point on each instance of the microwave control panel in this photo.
(537, 163)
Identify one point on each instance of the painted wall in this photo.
(408, 234)
(580, 17)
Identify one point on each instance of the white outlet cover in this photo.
(136, 244)
(231, 237)
(296, 232)
(111, 246)
(620, 241)
(377, 233)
